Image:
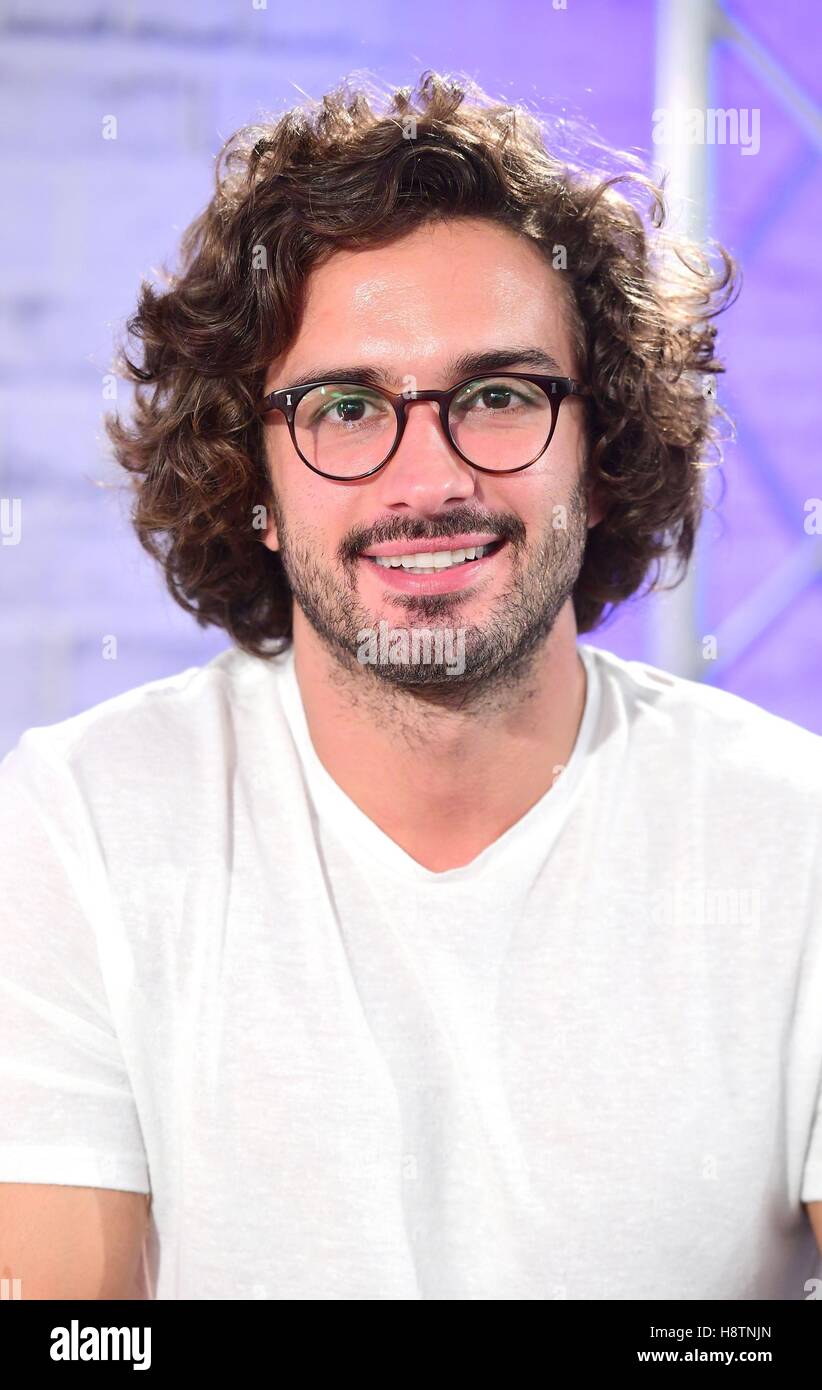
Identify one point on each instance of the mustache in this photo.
(456, 523)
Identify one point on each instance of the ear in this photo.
(597, 507)
(271, 539)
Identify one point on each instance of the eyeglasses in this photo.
(346, 430)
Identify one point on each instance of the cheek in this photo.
(313, 516)
(531, 495)
(541, 496)
(568, 448)
(297, 498)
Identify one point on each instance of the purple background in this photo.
(89, 217)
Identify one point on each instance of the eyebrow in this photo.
(466, 365)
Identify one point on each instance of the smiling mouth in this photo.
(432, 561)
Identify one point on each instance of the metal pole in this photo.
(685, 32)
(804, 110)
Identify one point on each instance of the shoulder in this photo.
(703, 733)
(151, 731)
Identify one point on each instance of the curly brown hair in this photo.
(342, 173)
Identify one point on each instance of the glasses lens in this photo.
(344, 429)
(500, 423)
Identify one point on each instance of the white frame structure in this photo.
(687, 34)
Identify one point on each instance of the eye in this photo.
(493, 396)
(343, 405)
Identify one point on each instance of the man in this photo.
(411, 949)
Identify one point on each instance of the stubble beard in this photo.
(499, 652)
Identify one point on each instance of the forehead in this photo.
(444, 288)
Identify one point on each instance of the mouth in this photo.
(430, 567)
(433, 560)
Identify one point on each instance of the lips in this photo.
(465, 541)
(408, 579)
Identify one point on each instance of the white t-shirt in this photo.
(585, 1065)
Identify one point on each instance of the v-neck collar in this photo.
(337, 809)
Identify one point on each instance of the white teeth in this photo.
(431, 561)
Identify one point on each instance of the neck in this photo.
(444, 781)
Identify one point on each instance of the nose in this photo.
(425, 472)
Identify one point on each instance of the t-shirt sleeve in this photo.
(67, 1111)
(811, 1180)
(811, 1190)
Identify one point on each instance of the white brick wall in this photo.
(92, 217)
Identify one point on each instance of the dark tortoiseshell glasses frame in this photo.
(287, 398)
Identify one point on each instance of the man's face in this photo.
(407, 310)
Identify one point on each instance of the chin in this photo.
(416, 677)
